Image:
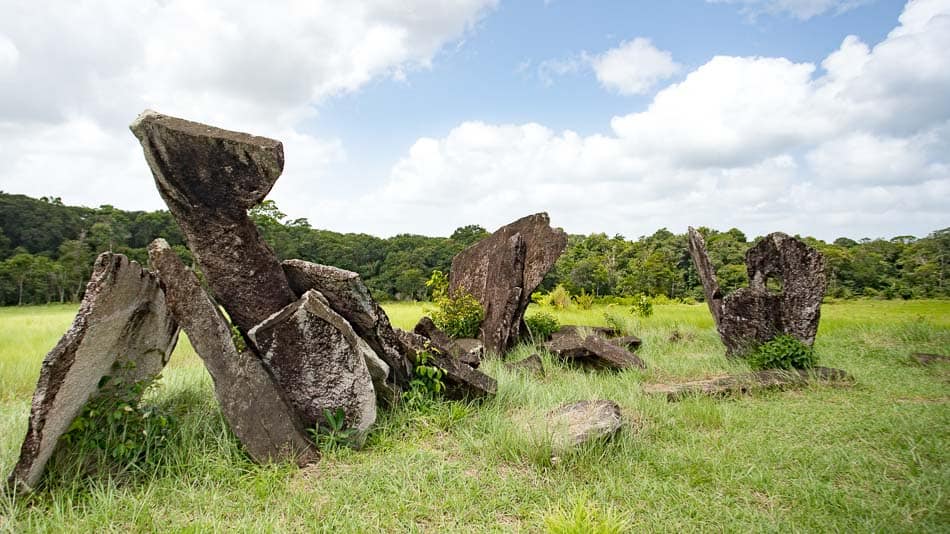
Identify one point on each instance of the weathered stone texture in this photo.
(319, 362)
(122, 329)
(577, 423)
(749, 382)
(592, 350)
(502, 270)
(468, 351)
(461, 380)
(531, 365)
(209, 178)
(249, 398)
(750, 316)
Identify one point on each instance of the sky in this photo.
(826, 118)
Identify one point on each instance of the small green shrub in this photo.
(584, 301)
(426, 383)
(559, 298)
(585, 517)
(459, 314)
(642, 306)
(541, 325)
(782, 352)
(333, 434)
(616, 321)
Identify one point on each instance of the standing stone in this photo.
(753, 315)
(249, 398)
(209, 178)
(348, 296)
(502, 270)
(122, 329)
(327, 362)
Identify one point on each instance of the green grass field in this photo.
(872, 457)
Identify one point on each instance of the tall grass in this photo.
(873, 457)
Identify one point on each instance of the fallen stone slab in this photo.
(350, 298)
(531, 365)
(468, 351)
(753, 315)
(209, 178)
(575, 424)
(502, 270)
(924, 358)
(461, 380)
(250, 400)
(630, 343)
(123, 329)
(328, 361)
(748, 382)
(594, 351)
(576, 330)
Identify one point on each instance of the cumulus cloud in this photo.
(632, 68)
(760, 143)
(800, 9)
(73, 75)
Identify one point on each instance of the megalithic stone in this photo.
(707, 275)
(209, 178)
(122, 330)
(249, 398)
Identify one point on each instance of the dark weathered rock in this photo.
(593, 350)
(122, 329)
(749, 382)
(574, 330)
(468, 351)
(630, 343)
(348, 296)
(750, 316)
(502, 270)
(461, 380)
(209, 178)
(531, 365)
(328, 361)
(249, 398)
(924, 358)
(577, 423)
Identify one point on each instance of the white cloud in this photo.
(634, 67)
(75, 74)
(800, 9)
(754, 142)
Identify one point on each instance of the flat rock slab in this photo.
(348, 296)
(531, 365)
(575, 424)
(924, 358)
(576, 330)
(630, 343)
(468, 351)
(745, 383)
(502, 270)
(593, 350)
(461, 380)
(209, 178)
(123, 329)
(753, 315)
(250, 400)
(328, 359)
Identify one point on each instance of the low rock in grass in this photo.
(727, 385)
(575, 424)
(924, 358)
(592, 350)
(531, 365)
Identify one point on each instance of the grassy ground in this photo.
(873, 457)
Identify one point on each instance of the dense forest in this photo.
(47, 250)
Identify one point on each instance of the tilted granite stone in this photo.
(123, 330)
(327, 359)
(502, 270)
(250, 400)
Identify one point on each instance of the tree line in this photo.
(47, 251)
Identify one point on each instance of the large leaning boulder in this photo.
(502, 270)
(753, 315)
(209, 178)
(123, 329)
(249, 398)
(348, 296)
(327, 359)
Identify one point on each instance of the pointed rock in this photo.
(328, 361)
(122, 329)
(250, 400)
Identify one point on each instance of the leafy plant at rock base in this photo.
(782, 352)
(616, 321)
(334, 434)
(426, 383)
(559, 298)
(457, 314)
(541, 325)
(584, 301)
(117, 427)
(642, 306)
